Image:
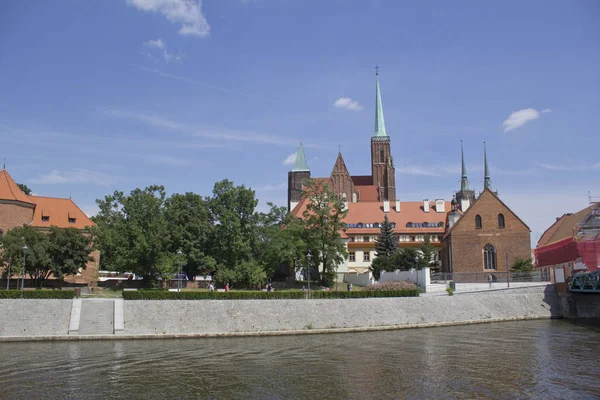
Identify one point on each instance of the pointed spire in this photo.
(464, 183)
(379, 121)
(300, 163)
(487, 181)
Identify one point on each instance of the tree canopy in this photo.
(386, 243)
(24, 188)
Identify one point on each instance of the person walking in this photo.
(211, 287)
(490, 279)
(227, 287)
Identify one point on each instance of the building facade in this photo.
(18, 209)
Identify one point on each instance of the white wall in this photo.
(420, 277)
(359, 279)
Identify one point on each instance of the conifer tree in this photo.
(386, 243)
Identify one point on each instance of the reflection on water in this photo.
(530, 359)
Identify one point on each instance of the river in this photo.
(544, 359)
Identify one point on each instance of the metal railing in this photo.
(469, 281)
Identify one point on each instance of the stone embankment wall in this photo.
(49, 319)
(579, 305)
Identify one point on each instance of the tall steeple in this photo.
(300, 163)
(487, 181)
(464, 183)
(379, 121)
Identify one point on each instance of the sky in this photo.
(98, 96)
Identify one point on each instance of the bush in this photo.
(450, 291)
(255, 295)
(37, 294)
(404, 285)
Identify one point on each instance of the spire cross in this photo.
(376, 69)
(4, 166)
(340, 148)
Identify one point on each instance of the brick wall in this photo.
(14, 215)
(467, 242)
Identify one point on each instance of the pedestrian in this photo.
(490, 279)
(350, 287)
(269, 287)
(227, 287)
(211, 287)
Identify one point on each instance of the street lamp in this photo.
(23, 275)
(179, 275)
(8, 276)
(308, 270)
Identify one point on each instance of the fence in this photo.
(358, 279)
(419, 277)
(469, 281)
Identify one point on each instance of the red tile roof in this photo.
(565, 226)
(9, 190)
(58, 210)
(367, 193)
(362, 180)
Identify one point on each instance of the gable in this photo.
(488, 206)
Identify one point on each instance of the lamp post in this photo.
(24, 264)
(179, 274)
(308, 270)
(8, 276)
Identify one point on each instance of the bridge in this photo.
(585, 283)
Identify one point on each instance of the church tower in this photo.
(465, 196)
(296, 177)
(382, 163)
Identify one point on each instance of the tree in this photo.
(24, 188)
(234, 237)
(61, 252)
(408, 258)
(133, 234)
(380, 264)
(190, 227)
(386, 243)
(522, 265)
(323, 220)
(427, 251)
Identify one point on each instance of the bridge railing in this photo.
(585, 283)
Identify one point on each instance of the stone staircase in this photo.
(97, 317)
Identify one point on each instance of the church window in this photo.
(489, 257)
(381, 155)
(354, 197)
(478, 221)
(501, 221)
(352, 256)
(366, 256)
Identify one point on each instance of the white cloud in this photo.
(77, 175)
(188, 13)
(434, 170)
(570, 167)
(272, 188)
(546, 110)
(90, 209)
(156, 44)
(520, 118)
(290, 160)
(348, 104)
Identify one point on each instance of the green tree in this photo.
(380, 264)
(281, 240)
(408, 258)
(427, 251)
(386, 243)
(24, 188)
(61, 252)
(190, 227)
(323, 220)
(133, 234)
(522, 265)
(234, 237)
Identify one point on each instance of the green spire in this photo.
(464, 183)
(379, 121)
(300, 164)
(487, 181)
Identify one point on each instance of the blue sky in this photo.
(117, 94)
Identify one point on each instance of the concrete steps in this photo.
(97, 317)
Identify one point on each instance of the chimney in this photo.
(426, 205)
(440, 206)
(464, 204)
(397, 205)
(386, 206)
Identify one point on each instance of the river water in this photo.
(544, 359)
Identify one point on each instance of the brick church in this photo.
(461, 230)
(18, 209)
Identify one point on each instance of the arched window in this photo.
(478, 221)
(381, 155)
(500, 221)
(489, 257)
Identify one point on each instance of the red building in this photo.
(572, 242)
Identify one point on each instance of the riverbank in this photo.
(24, 320)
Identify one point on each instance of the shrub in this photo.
(450, 291)
(37, 294)
(404, 285)
(255, 295)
